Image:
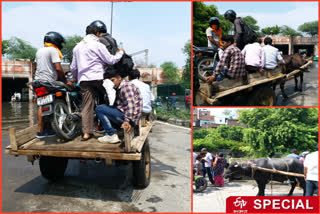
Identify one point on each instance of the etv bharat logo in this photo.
(240, 203)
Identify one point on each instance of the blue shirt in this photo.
(293, 156)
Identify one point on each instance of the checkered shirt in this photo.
(129, 101)
(234, 60)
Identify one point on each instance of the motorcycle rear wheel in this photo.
(205, 67)
(66, 130)
(200, 184)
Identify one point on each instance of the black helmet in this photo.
(214, 21)
(54, 38)
(100, 25)
(230, 15)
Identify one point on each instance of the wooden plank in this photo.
(128, 136)
(77, 154)
(278, 171)
(92, 145)
(13, 139)
(292, 73)
(26, 135)
(142, 139)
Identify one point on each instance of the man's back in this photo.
(311, 162)
(271, 56)
(45, 59)
(254, 55)
(145, 93)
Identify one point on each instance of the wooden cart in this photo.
(53, 154)
(255, 90)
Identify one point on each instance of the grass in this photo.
(176, 114)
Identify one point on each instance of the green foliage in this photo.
(177, 114)
(170, 71)
(252, 23)
(201, 15)
(17, 48)
(202, 133)
(280, 130)
(71, 42)
(310, 28)
(288, 31)
(275, 30)
(186, 75)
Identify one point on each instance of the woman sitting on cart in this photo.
(231, 64)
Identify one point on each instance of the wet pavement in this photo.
(213, 199)
(91, 186)
(309, 94)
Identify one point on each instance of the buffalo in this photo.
(291, 63)
(288, 164)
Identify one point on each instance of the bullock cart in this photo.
(54, 154)
(256, 89)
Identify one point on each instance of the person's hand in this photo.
(210, 79)
(126, 126)
(70, 84)
(121, 49)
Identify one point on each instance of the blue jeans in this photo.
(109, 116)
(222, 75)
(311, 187)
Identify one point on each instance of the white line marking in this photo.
(181, 127)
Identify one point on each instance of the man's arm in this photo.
(60, 73)
(305, 172)
(213, 41)
(262, 58)
(105, 55)
(220, 66)
(238, 30)
(74, 66)
(279, 57)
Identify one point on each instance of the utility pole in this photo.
(111, 18)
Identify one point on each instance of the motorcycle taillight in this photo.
(41, 91)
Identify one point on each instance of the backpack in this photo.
(248, 35)
(125, 65)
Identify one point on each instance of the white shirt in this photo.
(145, 93)
(208, 158)
(194, 158)
(210, 32)
(111, 92)
(311, 162)
(45, 58)
(271, 56)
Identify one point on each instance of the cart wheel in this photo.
(142, 168)
(264, 96)
(52, 168)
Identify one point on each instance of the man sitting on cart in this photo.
(126, 112)
(272, 54)
(231, 64)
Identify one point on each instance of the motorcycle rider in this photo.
(214, 33)
(48, 69)
(89, 57)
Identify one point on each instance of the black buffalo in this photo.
(288, 164)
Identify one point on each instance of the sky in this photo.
(270, 14)
(161, 27)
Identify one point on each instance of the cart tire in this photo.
(53, 168)
(142, 168)
(200, 184)
(263, 96)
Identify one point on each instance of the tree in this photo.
(186, 75)
(309, 28)
(271, 30)
(17, 48)
(201, 15)
(280, 130)
(170, 71)
(71, 42)
(288, 31)
(251, 23)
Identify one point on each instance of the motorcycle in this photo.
(61, 104)
(199, 183)
(205, 60)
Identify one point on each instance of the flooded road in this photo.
(91, 186)
(309, 94)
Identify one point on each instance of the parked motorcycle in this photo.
(62, 104)
(199, 182)
(205, 60)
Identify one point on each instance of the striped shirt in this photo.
(234, 60)
(129, 101)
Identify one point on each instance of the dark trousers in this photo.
(209, 174)
(89, 90)
(311, 187)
